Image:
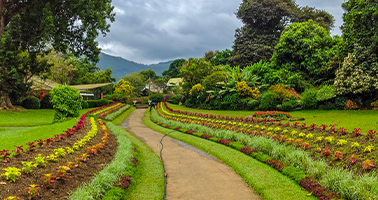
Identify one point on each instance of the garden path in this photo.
(192, 173)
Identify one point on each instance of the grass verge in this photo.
(265, 181)
(119, 119)
(112, 172)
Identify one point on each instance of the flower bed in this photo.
(339, 148)
(64, 162)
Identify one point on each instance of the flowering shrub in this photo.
(244, 90)
(350, 105)
(367, 164)
(338, 155)
(197, 90)
(352, 159)
(284, 92)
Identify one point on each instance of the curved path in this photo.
(192, 173)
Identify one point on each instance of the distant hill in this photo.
(121, 66)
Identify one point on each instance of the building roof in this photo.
(89, 86)
(174, 81)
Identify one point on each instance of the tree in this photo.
(306, 48)
(220, 57)
(264, 21)
(174, 68)
(63, 67)
(136, 80)
(66, 102)
(193, 71)
(37, 26)
(148, 74)
(123, 87)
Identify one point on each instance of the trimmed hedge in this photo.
(31, 102)
(97, 103)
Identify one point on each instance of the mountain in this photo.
(121, 66)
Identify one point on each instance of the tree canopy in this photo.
(37, 26)
(174, 68)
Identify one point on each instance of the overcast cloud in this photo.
(151, 31)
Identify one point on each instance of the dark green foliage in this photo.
(174, 68)
(97, 103)
(211, 81)
(174, 100)
(122, 98)
(308, 99)
(46, 102)
(260, 156)
(306, 48)
(289, 105)
(268, 102)
(66, 102)
(31, 102)
(116, 193)
(231, 101)
(253, 104)
(157, 98)
(84, 104)
(326, 92)
(294, 173)
(236, 145)
(221, 57)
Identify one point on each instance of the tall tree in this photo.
(193, 71)
(36, 26)
(358, 74)
(174, 68)
(264, 21)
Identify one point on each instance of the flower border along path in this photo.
(294, 173)
(192, 174)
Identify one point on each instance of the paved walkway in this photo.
(192, 173)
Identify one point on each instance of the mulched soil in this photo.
(62, 189)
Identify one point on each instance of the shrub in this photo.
(231, 101)
(66, 102)
(97, 103)
(116, 193)
(244, 90)
(46, 102)
(31, 102)
(374, 105)
(289, 105)
(326, 92)
(84, 104)
(268, 101)
(174, 99)
(309, 100)
(197, 90)
(211, 81)
(284, 92)
(157, 97)
(253, 104)
(350, 105)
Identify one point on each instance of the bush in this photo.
(289, 105)
(46, 102)
(84, 104)
(326, 92)
(122, 98)
(233, 101)
(31, 102)
(253, 104)
(309, 99)
(97, 103)
(268, 101)
(174, 99)
(157, 98)
(66, 102)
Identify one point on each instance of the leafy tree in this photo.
(174, 68)
(221, 57)
(148, 74)
(211, 81)
(264, 21)
(98, 76)
(123, 87)
(359, 71)
(193, 71)
(306, 48)
(136, 80)
(63, 67)
(37, 26)
(66, 102)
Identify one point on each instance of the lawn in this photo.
(349, 119)
(18, 128)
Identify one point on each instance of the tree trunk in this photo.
(6, 104)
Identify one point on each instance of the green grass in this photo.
(148, 181)
(26, 118)
(265, 181)
(349, 119)
(11, 136)
(123, 116)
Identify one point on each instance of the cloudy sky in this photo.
(151, 31)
